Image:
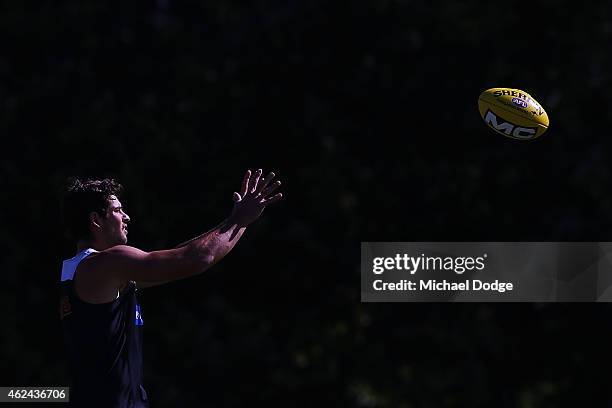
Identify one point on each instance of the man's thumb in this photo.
(237, 197)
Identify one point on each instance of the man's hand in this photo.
(255, 195)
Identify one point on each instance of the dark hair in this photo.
(82, 197)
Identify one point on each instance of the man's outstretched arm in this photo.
(123, 263)
(215, 243)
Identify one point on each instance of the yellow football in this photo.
(513, 113)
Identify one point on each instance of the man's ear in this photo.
(94, 219)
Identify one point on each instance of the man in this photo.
(99, 309)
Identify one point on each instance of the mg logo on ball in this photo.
(508, 128)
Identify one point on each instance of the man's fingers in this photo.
(273, 199)
(245, 183)
(264, 182)
(271, 188)
(253, 184)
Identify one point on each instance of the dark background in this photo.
(367, 111)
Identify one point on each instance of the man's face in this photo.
(114, 226)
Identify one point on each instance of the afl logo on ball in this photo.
(519, 102)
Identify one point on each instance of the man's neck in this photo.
(81, 245)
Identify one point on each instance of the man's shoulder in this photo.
(110, 262)
(97, 280)
(116, 252)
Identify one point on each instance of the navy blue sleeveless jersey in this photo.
(104, 345)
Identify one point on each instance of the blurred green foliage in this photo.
(367, 112)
